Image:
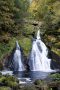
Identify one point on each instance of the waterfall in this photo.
(17, 59)
(38, 60)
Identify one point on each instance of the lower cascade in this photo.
(38, 60)
(17, 59)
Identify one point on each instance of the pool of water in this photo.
(28, 77)
(33, 74)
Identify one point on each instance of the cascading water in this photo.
(38, 60)
(17, 59)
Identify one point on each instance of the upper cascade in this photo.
(17, 45)
(38, 35)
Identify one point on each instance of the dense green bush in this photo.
(55, 77)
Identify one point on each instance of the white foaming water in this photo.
(4, 72)
(38, 35)
(18, 65)
(25, 81)
(38, 60)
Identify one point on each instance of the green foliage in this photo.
(55, 77)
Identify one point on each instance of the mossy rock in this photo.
(32, 87)
(9, 81)
(5, 88)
